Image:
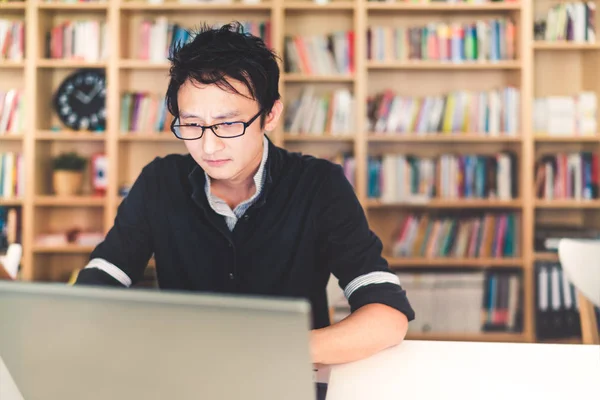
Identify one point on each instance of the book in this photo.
(482, 113)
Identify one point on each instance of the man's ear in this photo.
(273, 116)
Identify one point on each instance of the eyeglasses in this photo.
(225, 130)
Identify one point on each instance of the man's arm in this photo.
(353, 253)
(369, 330)
(121, 258)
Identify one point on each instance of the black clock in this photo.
(80, 101)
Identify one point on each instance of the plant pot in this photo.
(67, 183)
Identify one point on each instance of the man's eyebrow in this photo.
(184, 114)
(228, 114)
(225, 115)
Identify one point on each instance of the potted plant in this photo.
(67, 176)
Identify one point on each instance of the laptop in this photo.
(64, 342)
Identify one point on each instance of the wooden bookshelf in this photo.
(534, 72)
(172, 6)
(453, 263)
(437, 65)
(66, 249)
(69, 201)
(450, 7)
(10, 202)
(549, 61)
(11, 138)
(91, 6)
(45, 135)
(5, 64)
(441, 138)
(70, 64)
(449, 204)
(569, 46)
(12, 6)
(566, 139)
(307, 137)
(470, 337)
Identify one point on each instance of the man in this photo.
(240, 215)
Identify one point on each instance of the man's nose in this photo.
(211, 142)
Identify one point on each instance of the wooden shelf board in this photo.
(569, 340)
(545, 256)
(566, 139)
(543, 45)
(148, 137)
(303, 137)
(70, 136)
(68, 249)
(10, 137)
(443, 7)
(69, 201)
(143, 64)
(51, 63)
(310, 6)
(10, 202)
(5, 64)
(12, 6)
(443, 203)
(237, 6)
(437, 65)
(449, 262)
(568, 204)
(295, 77)
(441, 137)
(91, 6)
(469, 337)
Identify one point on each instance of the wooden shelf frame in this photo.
(358, 13)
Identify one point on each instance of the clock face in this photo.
(80, 101)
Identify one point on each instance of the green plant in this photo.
(70, 161)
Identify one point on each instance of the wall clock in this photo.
(80, 100)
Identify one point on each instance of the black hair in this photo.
(215, 54)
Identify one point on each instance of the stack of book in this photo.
(12, 112)
(10, 227)
(457, 42)
(410, 178)
(464, 302)
(567, 176)
(566, 115)
(490, 235)
(320, 54)
(158, 37)
(459, 302)
(144, 112)
(567, 21)
(321, 113)
(12, 40)
(12, 175)
(485, 113)
(78, 40)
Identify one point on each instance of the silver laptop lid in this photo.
(62, 342)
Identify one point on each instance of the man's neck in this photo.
(236, 190)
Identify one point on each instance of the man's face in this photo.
(228, 159)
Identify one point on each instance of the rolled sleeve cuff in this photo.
(390, 294)
(101, 272)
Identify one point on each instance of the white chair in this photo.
(580, 260)
(9, 263)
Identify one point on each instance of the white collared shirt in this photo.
(222, 208)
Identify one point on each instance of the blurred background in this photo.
(468, 129)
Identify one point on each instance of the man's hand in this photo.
(369, 330)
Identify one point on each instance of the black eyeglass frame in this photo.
(205, 127)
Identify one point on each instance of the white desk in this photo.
(445, 370)
(418, 370)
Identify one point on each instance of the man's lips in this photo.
(216, 163)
